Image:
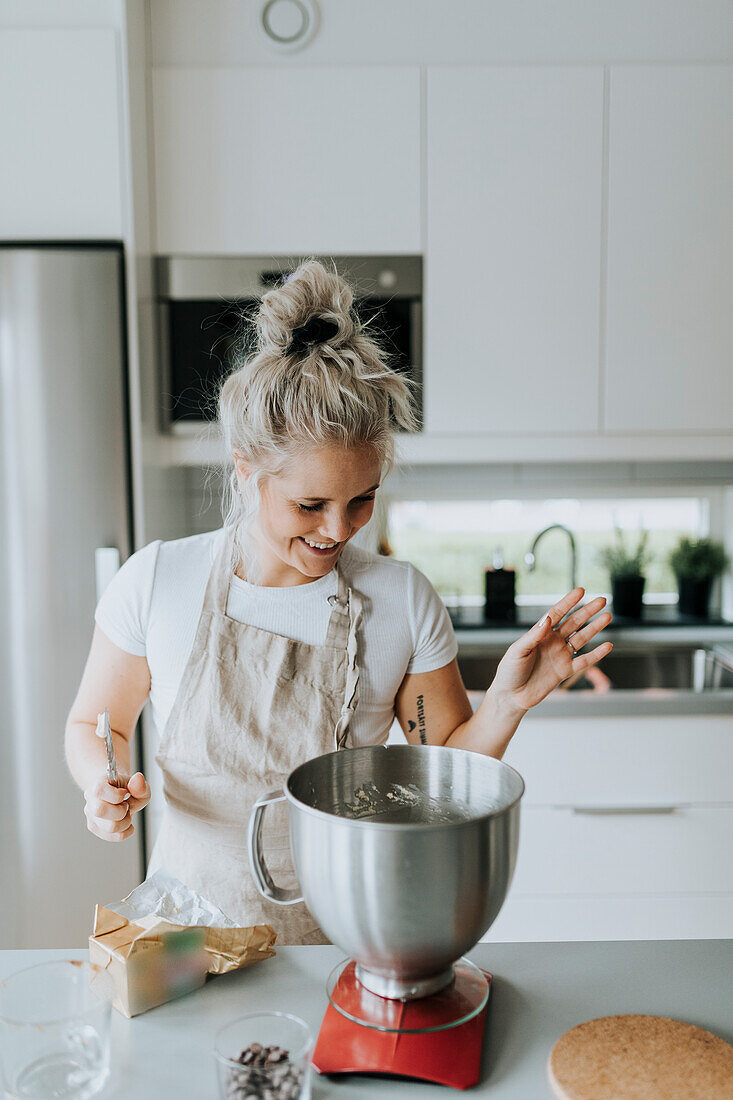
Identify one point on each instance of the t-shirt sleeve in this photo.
(434, 639)
(124, 609)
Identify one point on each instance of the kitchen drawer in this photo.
(645, 760)
(664, 917)
(562, 852)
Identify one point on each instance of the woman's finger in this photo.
(581, 616)
(585, 660)
(139, 789)
(106, 811)
(579, 638)
(105, 792)
(534, 636)
(113, 837)
(561, 608)
(107, 824)
(114, 826)
(137, 785)
(105, 829)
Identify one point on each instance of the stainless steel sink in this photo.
(628, 668)
(669, 671)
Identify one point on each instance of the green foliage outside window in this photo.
(455, 561)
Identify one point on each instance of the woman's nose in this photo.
(338, 527)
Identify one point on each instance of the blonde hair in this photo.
(317, 378)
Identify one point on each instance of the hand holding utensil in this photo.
(112, 800)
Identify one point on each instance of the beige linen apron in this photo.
(251, 707)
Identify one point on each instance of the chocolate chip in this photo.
(265, 1073)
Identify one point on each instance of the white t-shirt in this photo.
(152, 606)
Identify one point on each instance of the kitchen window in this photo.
(453, 541)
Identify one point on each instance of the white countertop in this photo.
(539, 992)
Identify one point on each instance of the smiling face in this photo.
(310, 510)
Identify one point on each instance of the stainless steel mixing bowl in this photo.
(404, 855)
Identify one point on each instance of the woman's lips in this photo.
(320, 553)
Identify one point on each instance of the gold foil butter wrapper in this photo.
(163, 941)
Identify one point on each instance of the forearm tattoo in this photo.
(422, 732)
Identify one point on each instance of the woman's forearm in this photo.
(490, 729)
(86, 754)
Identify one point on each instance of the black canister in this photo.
(499, 592)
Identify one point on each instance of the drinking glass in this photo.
(287, 1079)
(54, 1031)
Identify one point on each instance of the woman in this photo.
(273, 640)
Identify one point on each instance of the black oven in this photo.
(202, 300)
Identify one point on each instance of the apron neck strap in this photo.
(217, 587)
(355, 608)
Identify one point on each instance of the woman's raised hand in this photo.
(543, 657)
(109, 809)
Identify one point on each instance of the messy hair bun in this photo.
(317, 378)
(311, 292)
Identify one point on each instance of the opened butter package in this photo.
(163, 941)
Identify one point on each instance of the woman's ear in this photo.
(242, 468)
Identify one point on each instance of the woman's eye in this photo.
(317, 507)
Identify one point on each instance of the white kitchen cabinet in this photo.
(514, 189)
(663, 917)
(625, 851)
(595, 859)
(621, 875)
(291, 160)
(60, 129)
(664, 760)
(670, 250)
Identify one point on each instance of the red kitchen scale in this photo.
(436, 1038)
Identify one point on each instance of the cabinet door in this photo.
(288, 160)
(670, 249)
(564, 853)
(514, 249)
(60, 135)
(585, 762)
(671, 916)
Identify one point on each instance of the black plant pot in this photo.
(626, 593)
(694, 596)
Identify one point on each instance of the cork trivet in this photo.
(640, 1058)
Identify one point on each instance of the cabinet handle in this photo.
(619, 810)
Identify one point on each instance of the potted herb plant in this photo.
(626, 570)
(696, 563)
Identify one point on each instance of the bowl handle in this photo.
(260, 872)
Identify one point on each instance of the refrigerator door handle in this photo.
(106, 564)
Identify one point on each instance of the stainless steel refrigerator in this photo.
(64, 493)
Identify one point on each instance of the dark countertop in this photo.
(653, 615)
